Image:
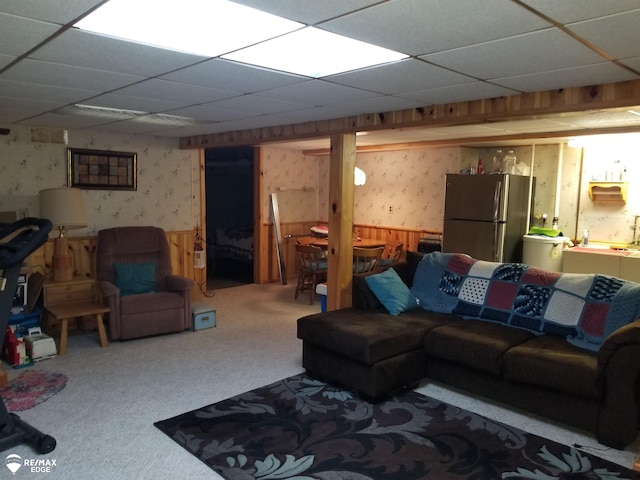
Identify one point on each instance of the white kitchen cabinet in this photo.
(630, 268)
(587, 262)
(621, 265)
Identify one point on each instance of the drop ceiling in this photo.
(459, 50)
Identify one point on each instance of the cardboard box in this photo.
(204, 316)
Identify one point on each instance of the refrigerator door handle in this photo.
(496, 201)
(496, 212)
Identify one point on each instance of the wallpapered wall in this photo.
(610, 221)
(403, 188)
(168, 179)
(411, 182)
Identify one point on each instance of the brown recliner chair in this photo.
(132, 258)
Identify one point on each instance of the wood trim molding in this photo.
(522, 106)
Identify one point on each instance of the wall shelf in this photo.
(608, 191)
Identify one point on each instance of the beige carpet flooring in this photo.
(103, 419)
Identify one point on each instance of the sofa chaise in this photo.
(563, 346)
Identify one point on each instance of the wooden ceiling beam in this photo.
(475, 141)
(523, 106)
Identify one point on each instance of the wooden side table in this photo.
(71, 299)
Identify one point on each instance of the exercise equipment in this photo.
(18, 241)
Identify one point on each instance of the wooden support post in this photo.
(340, 249)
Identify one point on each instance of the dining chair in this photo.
(312, 269)
(366, 260)
(391, 254)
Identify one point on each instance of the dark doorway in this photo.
(229, 197)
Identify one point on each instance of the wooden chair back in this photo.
(312, 269)
(366, 260)
(392, 253)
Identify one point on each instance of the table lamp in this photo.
(65, 208)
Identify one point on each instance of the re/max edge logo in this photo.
(15, 462)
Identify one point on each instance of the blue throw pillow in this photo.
(392, 292)
(134, 278)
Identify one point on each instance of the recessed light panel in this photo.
(314, 53)
(201, 27)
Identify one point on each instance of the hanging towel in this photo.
(548, 232)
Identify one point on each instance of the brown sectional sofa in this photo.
(375, 353)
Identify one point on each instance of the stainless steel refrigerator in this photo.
(485, 216)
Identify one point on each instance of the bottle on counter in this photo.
(480, 169)
(585, 238)
(498, 162)
(554, 223)
(510, 161)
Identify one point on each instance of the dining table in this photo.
(323, 242)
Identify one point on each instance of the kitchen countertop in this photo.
(605, 250)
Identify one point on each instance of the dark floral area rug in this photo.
(303, 429)
(31, 388)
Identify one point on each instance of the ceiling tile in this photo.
(18, 34)
(417, 27)
(317, 93)
(399, 77)
(174, 91)
(50, 93)
(83, 49)
(568, 11)
(308, 11)
(617, 35)
(458, 93)
(63, 13)
(14, 109)
(135, 126)
(5, 60)
(125, 102)
(208, 113)
(38, 72)
(374, 105)
(606, 119)
(232, 76)
(519, 55)
(256, 105)
(632, 63)
(65, 120)
(568, 77)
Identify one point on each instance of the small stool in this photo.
(66, 311)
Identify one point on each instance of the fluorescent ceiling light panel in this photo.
(101, 112)
(202, 27)
(314, 53)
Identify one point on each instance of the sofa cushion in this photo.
(392, 292)
(134, 278)
(551, 362)
(475, 344)
(584, 308)
(369, 336)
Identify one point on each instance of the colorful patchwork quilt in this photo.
(584, 308)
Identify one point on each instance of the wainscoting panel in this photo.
(292, 231)
(83, 252)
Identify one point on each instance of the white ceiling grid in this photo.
(459, 50)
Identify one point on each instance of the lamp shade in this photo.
(64, 207)
(360, 178)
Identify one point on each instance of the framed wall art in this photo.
(101, 169)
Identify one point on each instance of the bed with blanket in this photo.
(235, 243)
